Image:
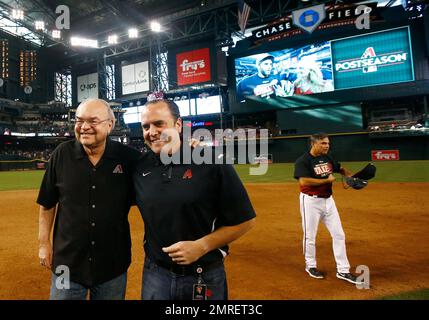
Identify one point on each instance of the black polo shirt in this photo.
(184, 202)
(319, 167)
(91, 231)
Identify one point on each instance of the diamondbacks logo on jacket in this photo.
(187, 174)
(118, 169)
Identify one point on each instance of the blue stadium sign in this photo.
(312, 18)
(309, 19)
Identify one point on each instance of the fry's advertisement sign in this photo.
(193, 67)
(383, 155)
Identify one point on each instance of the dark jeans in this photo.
(161, 284)
(110, 290)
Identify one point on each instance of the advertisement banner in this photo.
(87, 87)
(384, 155)
(193, 67)
(372, 59)
(135, 78)
(314, 18)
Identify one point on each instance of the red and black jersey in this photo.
(319, 167)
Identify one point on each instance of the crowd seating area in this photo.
(12, 154)
(416, 124)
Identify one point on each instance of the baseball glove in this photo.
(368, 172)
(355, 183)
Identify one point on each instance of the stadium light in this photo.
(40, 25)
(133, 33)
(82, 42)
(56, 34)
(155, 26)
(112, 39)
(17, 14)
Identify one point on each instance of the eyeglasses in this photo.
(92, 123)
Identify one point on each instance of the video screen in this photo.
(373, 59)
(285, 73)
(376, 58)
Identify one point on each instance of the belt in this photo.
(189, 269)
(317, 196)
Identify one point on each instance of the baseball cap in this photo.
(264, 57)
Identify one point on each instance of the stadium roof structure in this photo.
(96, 19)
(184, 21)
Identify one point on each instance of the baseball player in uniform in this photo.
(314, 171)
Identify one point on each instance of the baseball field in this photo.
(386, 227)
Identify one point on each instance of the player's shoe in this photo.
(314, 273)
(348, 277)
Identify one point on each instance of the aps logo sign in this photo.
(87, 86)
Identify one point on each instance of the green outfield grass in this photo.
(413, 295)
(20, 180)
(400, 171)
(395, 171)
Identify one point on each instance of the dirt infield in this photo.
(386, 228)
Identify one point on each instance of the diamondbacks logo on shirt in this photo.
(187, 174)
(118, 169)
(323, 169)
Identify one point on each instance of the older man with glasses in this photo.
(87, 188)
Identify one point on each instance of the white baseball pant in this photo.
(312, 211)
